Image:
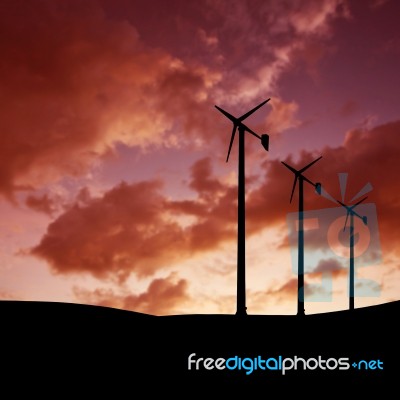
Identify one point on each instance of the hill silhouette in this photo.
(96, 346)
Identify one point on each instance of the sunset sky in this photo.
(114, 188)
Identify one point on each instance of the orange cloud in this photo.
(314, 16)
(330, 265)
(80, 77)
(286, 292)
(282, 116)
(282, 294)
(122, 231)
(163, 296)
(131, 228)
(77, 82)
(5, 295)
(273, 37)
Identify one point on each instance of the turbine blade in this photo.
(366, 189)
(230, 144)
(294, 186)
(229, 116)
(309, 165)
(342, 204)
(244, 116)
(291, 168)
(358, 202)
(343, 183)
(246, 128)
(345, 222)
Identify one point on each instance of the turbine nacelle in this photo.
(265, 141)
(350, 211)
(299, 175)
(238, 124)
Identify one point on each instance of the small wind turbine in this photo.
(241, 249)
(352, 213)
(301, 178)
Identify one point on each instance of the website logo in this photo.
(327, 246)
(280, 363)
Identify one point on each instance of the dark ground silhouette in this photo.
(93, 347)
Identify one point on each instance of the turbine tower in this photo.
(241, 230)
(300, 264)
(352, 213)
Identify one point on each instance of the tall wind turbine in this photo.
(352, 213)
(241, 249)
(300, 265)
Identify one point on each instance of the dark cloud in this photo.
(113, 235)
(131, 229)
(79, 77)
(44, 203)
(202, 181)
(331, 265)
(76, 82)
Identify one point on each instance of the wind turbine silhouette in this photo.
(352, 213)
(300, 264)
(241, 230)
